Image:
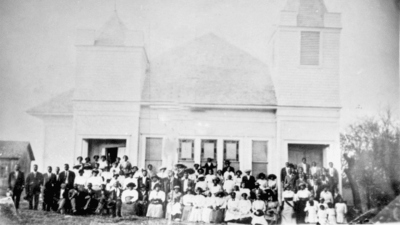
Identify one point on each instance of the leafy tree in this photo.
(371, 161)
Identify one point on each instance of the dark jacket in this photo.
(16, 184)
(147, 183)
(49, 182)
(143, 196)
(249, 182)
(71, 179)
(207, 168)
(33, 183)
(168, 185)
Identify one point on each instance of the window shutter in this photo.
(309, 53)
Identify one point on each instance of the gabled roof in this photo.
(209, 70)
(15, 149)
(112, 32)
(59, 105)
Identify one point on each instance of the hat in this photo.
(163, 168)
(95, 171)
(131, 185)
(175, 187)
(302, 184)
(247, 171)
(116, 175)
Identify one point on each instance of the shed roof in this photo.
(209, 70)
(15, 149)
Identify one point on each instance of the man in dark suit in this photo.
(114, 200)
(227, 164)
(142, 202)
(248, 180)
(16, 183)
(209, 166)
(305, 166)
(33, 183)
(67, 177)
(49, 184)
(170, 182)
(187, 184)
(144, 181)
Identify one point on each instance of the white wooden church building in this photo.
(203, 99)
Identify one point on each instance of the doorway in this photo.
(111, 148)
(311, 152)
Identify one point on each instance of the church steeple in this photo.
(308, 13)
(113, 32)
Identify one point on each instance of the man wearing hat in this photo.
(209, 166)
(248, 180)
(227, 165)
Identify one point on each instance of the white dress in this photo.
(312, 212)
(341, 210)
(331, 216)
(244, 208)
(258, 205)
(327, 196)
(229, 185)
(232, 211)
(322, 217)
(196, 215)
(263, 184)
(207, 210)
(288, 215)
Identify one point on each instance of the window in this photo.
(186, 150)
(153, 152)
(310, 48)
(208, 149)
(260, 157)
(231, 153)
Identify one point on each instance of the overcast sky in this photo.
(37, 54)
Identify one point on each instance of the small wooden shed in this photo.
(12, 153)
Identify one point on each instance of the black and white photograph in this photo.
(175, 112)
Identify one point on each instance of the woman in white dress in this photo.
(245, 209)
(271, 183)
(210, 178)
(218, 213)
(311, 209)
(129, 199)
(258, 207)
(288, 215)
(156, 199)
(262, 181)
(216, 188)
(198, 204)
(322, 215)
(95, 180)
(331, 213)
(232, 213)
(238, 178)
(187, 202)
(242, 190)
(208, 207)
(201, 183)
(341, 210)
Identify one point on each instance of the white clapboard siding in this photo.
(310, 47)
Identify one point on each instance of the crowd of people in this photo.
(310, 193)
